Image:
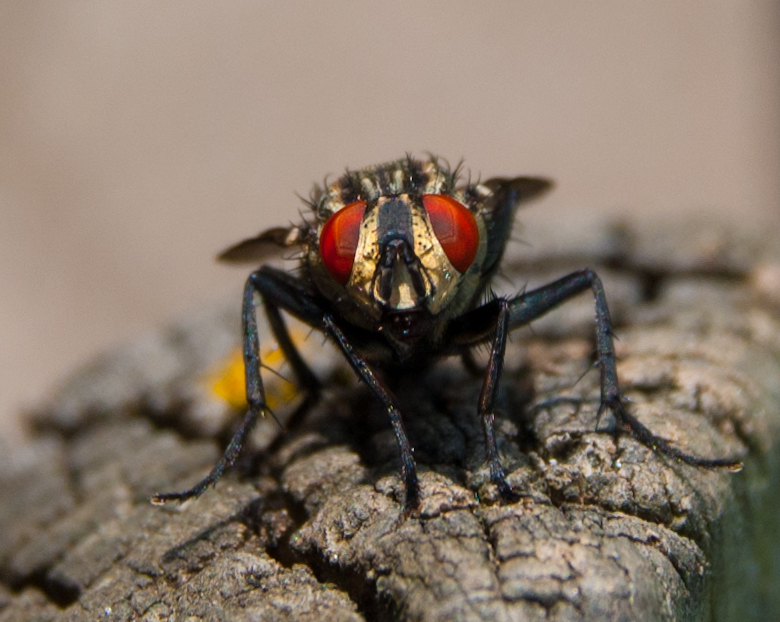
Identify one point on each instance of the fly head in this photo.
(400, 247)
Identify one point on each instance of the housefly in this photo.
(396, 270)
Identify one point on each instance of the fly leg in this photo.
(277, 289)
(480, 325)
(535, 303)
(490, 322)
(487, 400)
(304, 376)
(408, 465)
(255, 397)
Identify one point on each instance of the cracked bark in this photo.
(309, 527)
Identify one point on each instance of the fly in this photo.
(396, 270)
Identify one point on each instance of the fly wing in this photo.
(500, 207)
(267, 244)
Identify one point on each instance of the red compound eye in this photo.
(339, 240)
(455, 227)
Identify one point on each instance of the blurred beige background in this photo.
(137, 139)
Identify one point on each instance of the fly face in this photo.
(399, 247)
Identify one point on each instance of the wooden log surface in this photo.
(309, 526)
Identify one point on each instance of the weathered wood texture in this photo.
(310, 526)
